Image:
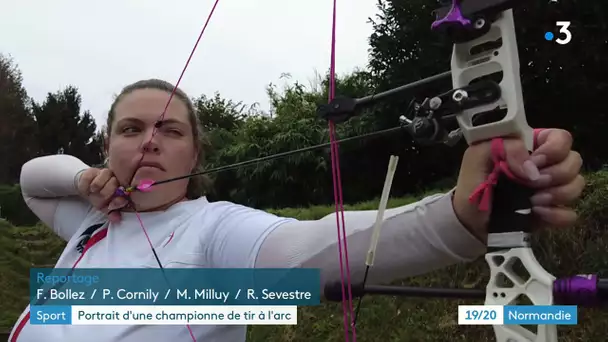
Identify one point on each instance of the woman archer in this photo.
(78, 202)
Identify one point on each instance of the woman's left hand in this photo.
(553, 169)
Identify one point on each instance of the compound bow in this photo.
(483, 34)
(485, 108)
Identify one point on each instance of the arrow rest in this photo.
(428, 126)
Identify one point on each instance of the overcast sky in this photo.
(100, 46)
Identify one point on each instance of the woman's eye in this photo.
(129, 129)
(166, 130)
(174, 131)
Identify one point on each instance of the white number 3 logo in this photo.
(564, 25)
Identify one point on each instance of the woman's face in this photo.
(170, 153)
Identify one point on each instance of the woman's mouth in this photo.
(151, 164)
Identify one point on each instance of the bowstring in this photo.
(347, 306)
(157, 125)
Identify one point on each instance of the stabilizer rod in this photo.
(341, 109)
(582, 290)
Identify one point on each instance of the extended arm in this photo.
(415, 239)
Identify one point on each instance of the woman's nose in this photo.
(150, 144)
(150, 147)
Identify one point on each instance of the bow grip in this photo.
(511, 218)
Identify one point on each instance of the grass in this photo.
(580, 249)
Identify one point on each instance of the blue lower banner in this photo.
(165, 315)
(190, 286)
(50, 314)
(517, 314)
(541, 314)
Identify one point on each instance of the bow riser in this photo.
(538, 288)
(511, 220)
(467, 67)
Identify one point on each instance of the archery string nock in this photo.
(145, 185)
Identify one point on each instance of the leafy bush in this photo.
(13, 208)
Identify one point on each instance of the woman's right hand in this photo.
(98, 187)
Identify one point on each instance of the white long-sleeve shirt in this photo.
(415, 239)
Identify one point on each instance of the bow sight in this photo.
(428, 125)
(460, 24)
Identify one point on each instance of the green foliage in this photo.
(20, 249)
(13, 208)
(562, 86)
(561, 83)
(17, 125)
(293, 125)
(29, 129)
(61, 128)
(402, 49)
(580, 249)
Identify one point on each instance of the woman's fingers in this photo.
(554, 146)
(100, 181)
(560, 195)
(117, 203)
(99, 187)
(556, 216)
(84, 183)
(565, 171)
(112, 209)
(111, 202)
(109, 188)
(561, 173)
